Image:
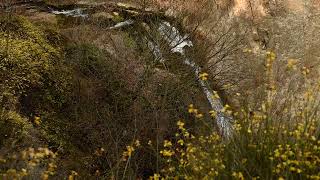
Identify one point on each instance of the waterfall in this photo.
(73, 13)
(155, 49)
(177, 44)
(122, 24)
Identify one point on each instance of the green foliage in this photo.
(25, 55)
(12, 125)
(77, 97)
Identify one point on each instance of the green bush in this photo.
(12, 125)
(26, 55)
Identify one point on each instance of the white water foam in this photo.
(122, 24)
(177, 44)
(73, 13)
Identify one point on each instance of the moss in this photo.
(27, 54)
(117, 18)
(61, 4)
(12, 125)
(129, 41)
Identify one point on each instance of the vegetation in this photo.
(264, 146)
(79, 99)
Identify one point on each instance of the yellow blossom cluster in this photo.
(73, 175)
(238, 175)
(264, 145)
(305, 71)
(291, 160)
(292, 64)
(271, 56)
(168, 151)
(156, 177)
(130, 149)
(190, 152)
(247, 50)
(227, 109)
(37, 120)
(32, 158)
(203, 76)
(194, 111)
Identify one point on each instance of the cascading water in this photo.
(177, 44)
(122, 24)
(73, 13)
(155, 49)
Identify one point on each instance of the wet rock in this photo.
(132, 12)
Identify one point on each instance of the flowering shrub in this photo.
(27, 162)
(263, 146)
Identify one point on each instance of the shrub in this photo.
(265, 144)
(26, 55)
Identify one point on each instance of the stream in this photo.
(73, 13)
(177, 43)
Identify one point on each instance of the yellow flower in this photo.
(292, 64)
(203, 76)
(271, 55)
(195, 111)
(129, 151)
(155, 177)
(191, 108)
(305, 71)
(180, 124)
(299, 171)
(292, 169)
(247, 50)
(186, 134)
(213, 113)
(72, 176)
(167, 143)
(171, 169)
(238, 175)
(283, 156)
(215, 95)
(181, 142)
(276, 153)
(23, 172)
(199, 115)
(37, 120)
(167, 153)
